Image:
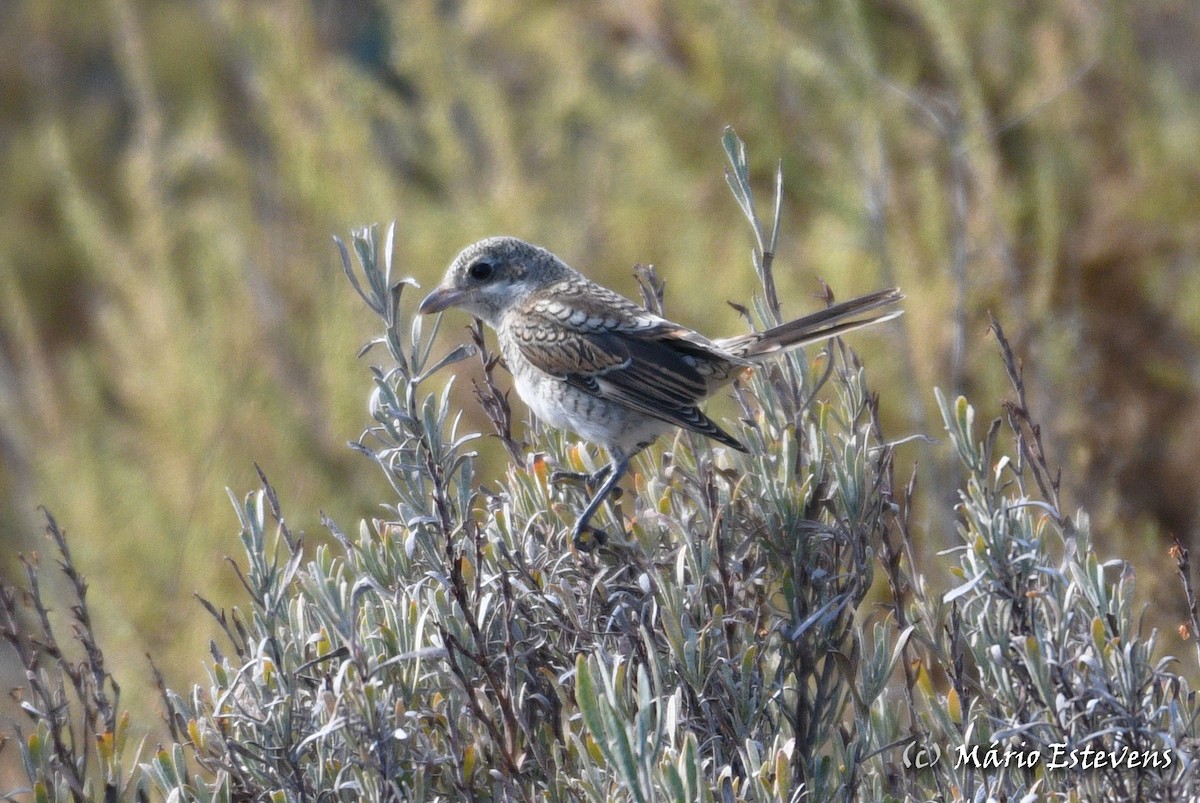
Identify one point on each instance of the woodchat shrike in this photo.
(590, 361)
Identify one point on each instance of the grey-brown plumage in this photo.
(590, 361)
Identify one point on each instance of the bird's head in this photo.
(487, 278)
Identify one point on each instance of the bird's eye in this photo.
(482, 271)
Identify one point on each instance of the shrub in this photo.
(721, 648)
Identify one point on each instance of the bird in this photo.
(588, 360)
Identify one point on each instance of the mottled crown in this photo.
(512, 258)
(490, 276)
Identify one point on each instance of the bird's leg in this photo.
(615, 471)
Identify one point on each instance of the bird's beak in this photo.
(441, 298)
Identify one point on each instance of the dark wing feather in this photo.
(615, 350)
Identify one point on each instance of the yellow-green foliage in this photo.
(718, 644)
(171, 309)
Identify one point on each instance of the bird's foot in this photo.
(591, 482)
(587, 538)
(583, 536)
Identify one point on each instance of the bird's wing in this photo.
(613, 349)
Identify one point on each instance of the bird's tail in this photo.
(829, 322)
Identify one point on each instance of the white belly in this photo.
(560, 405)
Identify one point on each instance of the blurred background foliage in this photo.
(171, 308)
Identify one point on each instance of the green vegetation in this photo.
(461, 649)
(171, 312)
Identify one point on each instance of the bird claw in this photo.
(590, 482)
(588, 539)
(569, 477)
(584, 537)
